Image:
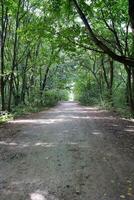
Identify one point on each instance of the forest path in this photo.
(69, 152)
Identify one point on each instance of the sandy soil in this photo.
(69, 152)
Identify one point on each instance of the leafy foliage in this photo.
(49, 48)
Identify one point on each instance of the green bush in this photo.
(51, 97)
(5, 117)
(87, 94)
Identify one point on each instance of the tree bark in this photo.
(14, 61)
(4, 23)
(130, 97)
(109, 79)
(24, 82)
(131, 13)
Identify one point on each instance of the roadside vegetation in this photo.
(51, 48)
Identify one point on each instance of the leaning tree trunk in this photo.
(109, 79)
(43, 86)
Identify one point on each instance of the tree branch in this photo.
(122, 59)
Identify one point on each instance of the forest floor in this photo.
(69, 152)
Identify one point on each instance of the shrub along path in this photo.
(69, 152)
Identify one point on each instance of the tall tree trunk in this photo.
(131, 13)
(43, 86)
(109, 79)
(4, 23)
(2, 59)
(133, 91)
(24, 83)
(130, 88)
(14, 61)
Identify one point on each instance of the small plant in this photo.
(5, 116)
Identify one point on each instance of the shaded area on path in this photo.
(69, 152)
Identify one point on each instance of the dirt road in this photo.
(69, 152)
